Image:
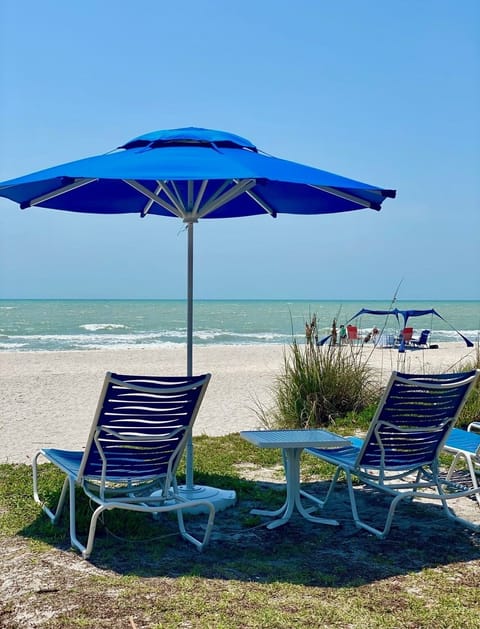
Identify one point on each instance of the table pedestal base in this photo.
(291, 461)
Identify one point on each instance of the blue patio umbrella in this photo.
(191, 174)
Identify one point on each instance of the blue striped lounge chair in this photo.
(136, 441)
(400, 453)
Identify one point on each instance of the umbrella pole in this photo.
(190, 300)
(189, 447)
(220, 498)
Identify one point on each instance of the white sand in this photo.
(48, 399)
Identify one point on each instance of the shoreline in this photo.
(48, 398)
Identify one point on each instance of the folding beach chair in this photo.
(352, 333)
(465, 445)
(399, 454)
(404, 337)
(136, 441)
(422, 340)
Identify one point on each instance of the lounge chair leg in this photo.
(453, 465)
(353, 502)
(36, 497)
(61, 503)
(54, 516)
(381, 534)
(184, 533)
(332, 485)
(473, 476)
(471, 469)
(73, 524)
(318, 501)
(87, 550)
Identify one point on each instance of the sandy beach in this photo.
(48, 399)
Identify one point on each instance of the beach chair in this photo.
(399, 455)
(465, 445)
(405, 336)
(422, 340)
(403, 339)
(137, 438)
(352, 333)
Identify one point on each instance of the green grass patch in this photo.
(302, 574)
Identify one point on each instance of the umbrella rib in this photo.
(149, 203)
(174, 198)
(189, 195)
(178, 196)
(262, 203)
(238, 189)
(218, 192)
(59, 191)
(148, 193)
(349, 197)
(200, 194)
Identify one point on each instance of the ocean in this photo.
(53, 325)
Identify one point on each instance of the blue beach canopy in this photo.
(405, 315)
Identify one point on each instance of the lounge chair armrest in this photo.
(473, 427)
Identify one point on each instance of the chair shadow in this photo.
(300, 552)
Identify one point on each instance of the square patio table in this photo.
(292, 443)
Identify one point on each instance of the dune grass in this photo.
(318, 386)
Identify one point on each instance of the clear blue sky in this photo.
(380, 91)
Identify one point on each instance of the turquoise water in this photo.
(34, 325)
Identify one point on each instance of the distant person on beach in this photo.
(308, 333)
(334, 333)
(371, 336)
(311, 330)
(313, 325)
(342, 334)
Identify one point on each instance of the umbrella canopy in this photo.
(191, 173)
